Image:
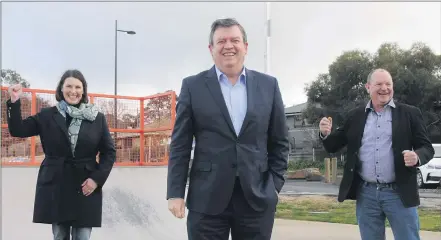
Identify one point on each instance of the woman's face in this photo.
(72, 90)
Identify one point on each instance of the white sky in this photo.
(41, 40)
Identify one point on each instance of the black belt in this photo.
(380, 185)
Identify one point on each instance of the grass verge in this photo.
(327, 209)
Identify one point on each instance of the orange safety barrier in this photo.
(140, 126)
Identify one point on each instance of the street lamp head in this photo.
(131, 32)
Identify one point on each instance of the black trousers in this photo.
(243, 221)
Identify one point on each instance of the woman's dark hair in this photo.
(75, 74)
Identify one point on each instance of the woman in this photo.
(69, 184)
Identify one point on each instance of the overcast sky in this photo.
(41, 40)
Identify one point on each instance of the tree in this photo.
(125, 117)
(416, 73)
(157, 112)
(11, 77)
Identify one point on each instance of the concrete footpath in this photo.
(135, 208)
(305, 230)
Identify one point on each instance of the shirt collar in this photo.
(220, 74)
(369, 106)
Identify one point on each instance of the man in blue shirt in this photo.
(237, 118)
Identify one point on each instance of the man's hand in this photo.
(325, 126)
(89, 186)
(177, 207)
(15, 92)
(410, 158)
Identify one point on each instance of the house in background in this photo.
(294, 116)
(302, 135)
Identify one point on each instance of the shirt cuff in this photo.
(322, 137)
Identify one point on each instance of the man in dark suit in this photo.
(385, 141)
(237, 118)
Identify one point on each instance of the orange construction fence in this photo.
(140, 126)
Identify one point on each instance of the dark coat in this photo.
(58, 195)
(408, 132)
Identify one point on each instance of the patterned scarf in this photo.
(84, 112)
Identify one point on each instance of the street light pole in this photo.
(116, 73)
(267, 54)
(115, 106)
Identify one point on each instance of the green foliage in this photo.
(416, 73)
(11, 77)
(302, 164)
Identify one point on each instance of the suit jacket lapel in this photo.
(395, 123)
(251, 92)
(215, 90)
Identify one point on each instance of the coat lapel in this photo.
(251, 92)
(215, 90)
(61, 122)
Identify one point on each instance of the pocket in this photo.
(45, 175)
(203, 166)
(91, 167)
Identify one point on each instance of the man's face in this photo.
(228, 49)
(380, 88)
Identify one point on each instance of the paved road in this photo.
(305, 187)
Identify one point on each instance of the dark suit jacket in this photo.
(58, 195)
(259, 153)
(408, 132)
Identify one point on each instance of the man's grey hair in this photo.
(225, 23)
(369, 77)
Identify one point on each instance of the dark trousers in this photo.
(243, 221)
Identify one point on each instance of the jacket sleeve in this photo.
(335, 141)
(278, 144)
(107, 155)
(19, 127)
(420, 140)
(180, 146)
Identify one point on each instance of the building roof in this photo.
(299, 108)
(296, 108)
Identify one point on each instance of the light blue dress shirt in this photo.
(235, 97)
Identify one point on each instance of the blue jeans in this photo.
(375, 203)
(62, 232)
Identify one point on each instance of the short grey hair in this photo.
(369, 77)
(225, 23)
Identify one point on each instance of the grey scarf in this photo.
(84, 112)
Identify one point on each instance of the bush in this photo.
(302, 164)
